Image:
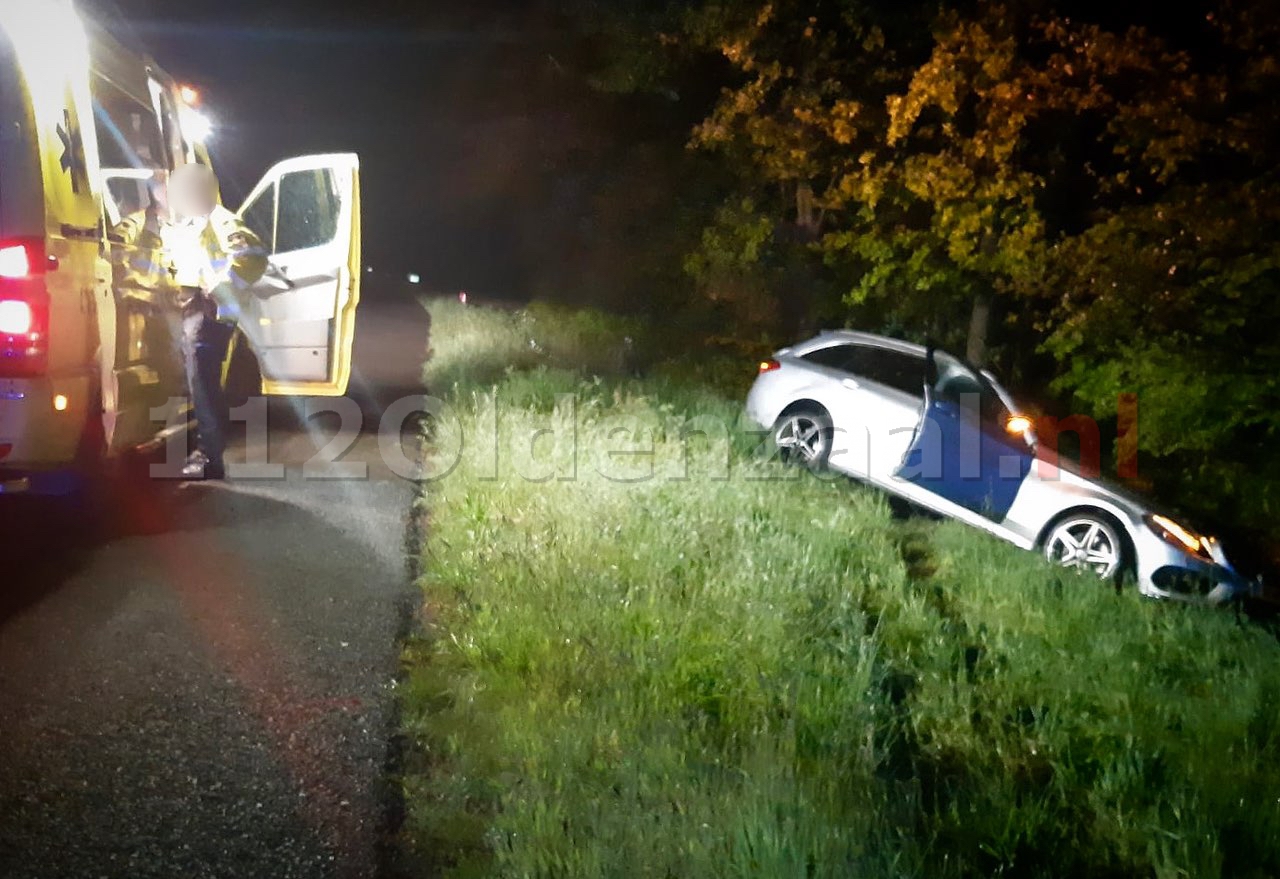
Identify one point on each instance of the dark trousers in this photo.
(204, 347)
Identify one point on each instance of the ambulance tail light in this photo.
(22, 258)
(24, 309)
(17, 318)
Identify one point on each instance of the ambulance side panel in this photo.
(21, 183)
(49, 191)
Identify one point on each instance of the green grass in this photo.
(693, 662)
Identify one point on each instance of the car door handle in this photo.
(850, 384)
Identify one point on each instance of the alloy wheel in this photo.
(1085, 543)
(801, 438)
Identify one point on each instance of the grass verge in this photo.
(651, 653)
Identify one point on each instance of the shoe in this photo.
(199, 467)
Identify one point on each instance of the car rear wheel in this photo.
(803, 437)
(1087, 542)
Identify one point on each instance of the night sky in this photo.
(434, 99)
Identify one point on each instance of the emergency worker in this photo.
(215, 256)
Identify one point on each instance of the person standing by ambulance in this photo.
(215, 255)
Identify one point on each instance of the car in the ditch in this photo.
(927, 427)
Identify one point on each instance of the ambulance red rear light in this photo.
(16, 318)
(24, 336)
(14, 262)
(24, 308)
(23, 257)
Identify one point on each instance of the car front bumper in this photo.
(1166, 571)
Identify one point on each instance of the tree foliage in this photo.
(1174, 291)
(1088, 192)
(1109, 187)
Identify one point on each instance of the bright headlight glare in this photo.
(196, 124)
(1177, 535)
(1018, 424)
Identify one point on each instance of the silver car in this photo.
(925, 426)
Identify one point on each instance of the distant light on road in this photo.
(414, 279)
(369, 269)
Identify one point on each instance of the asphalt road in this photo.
(204, 687)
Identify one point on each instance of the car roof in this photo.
(831, 337)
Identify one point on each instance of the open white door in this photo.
(300, 317)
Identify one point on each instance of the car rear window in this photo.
(832, 357)
(894, 369)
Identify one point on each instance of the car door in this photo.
(299, 317)
(892, 385)
(842, 393)
(962, 452)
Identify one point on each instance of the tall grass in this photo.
(693, 662)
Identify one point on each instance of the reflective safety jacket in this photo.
(137, 254)
(221, 256)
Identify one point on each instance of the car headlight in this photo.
(1179, 536)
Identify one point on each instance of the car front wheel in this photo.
(1086, 542)
(803, 437)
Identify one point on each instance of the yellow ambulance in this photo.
(90, 368)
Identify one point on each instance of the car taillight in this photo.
(24, 308)
(769, 366)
